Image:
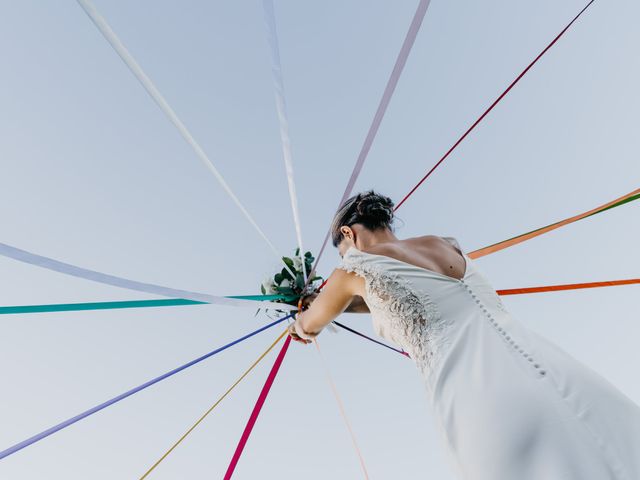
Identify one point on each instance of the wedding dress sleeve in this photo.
(453, 241)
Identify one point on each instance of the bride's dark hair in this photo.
(370, 209)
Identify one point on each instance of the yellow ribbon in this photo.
(214, 405)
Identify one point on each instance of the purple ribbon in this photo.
(122, 396)
(409, 39)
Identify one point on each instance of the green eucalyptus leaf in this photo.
(264, 292)
(300, 281)
(286, 290)
(285, 274)
(278, 278)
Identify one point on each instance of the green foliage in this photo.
(293, 286)
(286, 275)
(289, 262)
(285, 290)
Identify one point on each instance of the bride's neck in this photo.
(375, 238)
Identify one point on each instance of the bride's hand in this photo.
(295, 336)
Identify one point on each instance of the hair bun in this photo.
(375, 207)
(370, 209)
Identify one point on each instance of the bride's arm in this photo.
(357, 305)
(333, 299)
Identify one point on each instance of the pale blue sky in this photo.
(94, 174)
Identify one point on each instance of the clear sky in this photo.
(94, 174)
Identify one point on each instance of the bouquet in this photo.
(292, 287)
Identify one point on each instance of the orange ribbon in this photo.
(526, 236)
(568, 286)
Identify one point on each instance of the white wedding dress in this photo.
(510, 404)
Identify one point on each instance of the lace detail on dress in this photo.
(401, 313)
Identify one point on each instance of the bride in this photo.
(510, 404)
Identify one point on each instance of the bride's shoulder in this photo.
(401, 247)
(430, 246)
(429, 238)
(431, 241)
(350, 273)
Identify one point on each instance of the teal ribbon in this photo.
(286, 298)
(168, 302)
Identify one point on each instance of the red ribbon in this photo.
(486, 112)
(257, 408)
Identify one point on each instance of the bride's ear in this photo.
(350, 233)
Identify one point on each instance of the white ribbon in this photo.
(281, 106)
(146, 82)
(74, 271)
